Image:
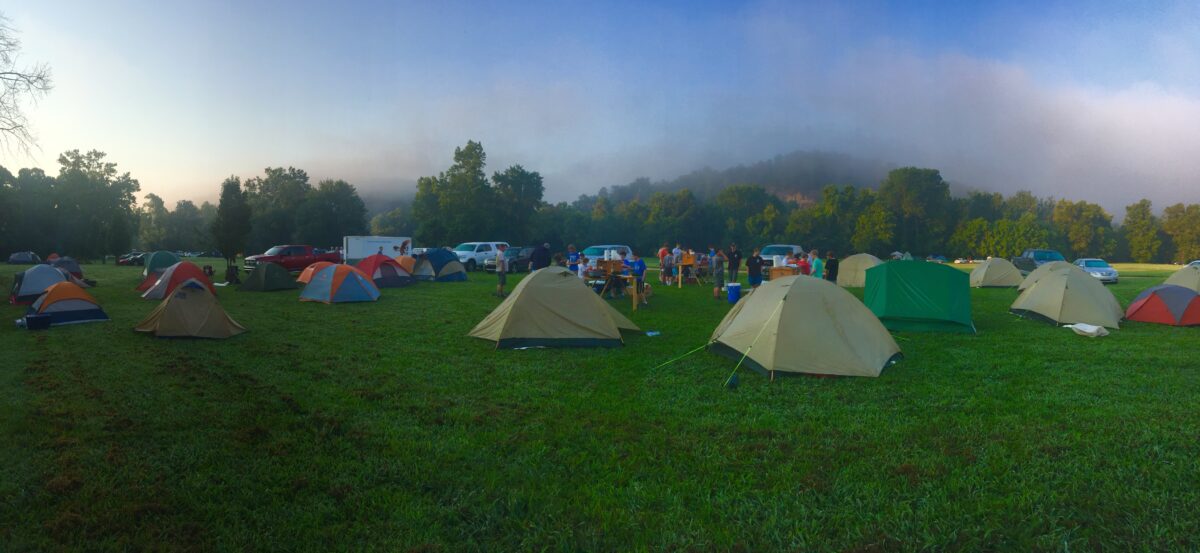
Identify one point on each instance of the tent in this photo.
(996, 272)
(440, 265)
(24, 258)
(69, 265)
(191, 311)
(267, 277)
(1187, 277)
(385, 271)
(407, 262)
(65, 303)
(1046, 269)
(852, 271)
(920, 296)
(339, 283)
(174, 276)
(1166, 304)
(1067, 297)
(308, 272)
(552, 307)
(158, 262)
(30, 284)
(800, 324)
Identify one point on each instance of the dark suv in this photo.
(1034, 258)
(518, 260)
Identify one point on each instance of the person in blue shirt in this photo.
(572, 258)
(637, 267)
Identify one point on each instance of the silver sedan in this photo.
(1099, 268)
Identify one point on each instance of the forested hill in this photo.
(797, 176)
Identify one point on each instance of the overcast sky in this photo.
(1094, 100)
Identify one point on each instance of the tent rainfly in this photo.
(996, 272)
(852, 271)
(800, 324)
(1065, 296)
(552, 307)
(920, 296)
(1187, 277)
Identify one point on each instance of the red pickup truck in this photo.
(292, 258)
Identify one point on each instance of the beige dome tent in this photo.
(190, 311)
(1187, 277)
(1065, 297)
(996, 272)
(800, 324)
(1048, 268)
(552, 307)
(852, 271)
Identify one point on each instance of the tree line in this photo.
(912, 210)
(90, 209)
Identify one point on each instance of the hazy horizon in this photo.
(1097, 102)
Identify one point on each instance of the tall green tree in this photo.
(919, 202)
(1182, 223)
(874, 232)
(91, 197)
(332, 210)
(232, 224)
(275, 199)
(1140, 231)
(518, 194)
(1084, 228)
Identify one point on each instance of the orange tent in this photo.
(385, 271)
(339, 283)
(308, 272)
(407, 262)
(67, 303)
(174, 276)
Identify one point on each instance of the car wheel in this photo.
(471, 265)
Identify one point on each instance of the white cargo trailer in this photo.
(356, 248)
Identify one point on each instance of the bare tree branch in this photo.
(18, 85)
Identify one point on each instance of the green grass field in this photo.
(383, 427)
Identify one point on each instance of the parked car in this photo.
(419, 251)
(1099, 268)
(518, 260)
(294, 258)
(1033, 258)
(133, 259)
(1195, 263)
(593, 253)
(768, 253)
(474, 254)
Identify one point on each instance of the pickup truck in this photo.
(291, 257)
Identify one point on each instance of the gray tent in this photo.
(24, 258)
(69, 265)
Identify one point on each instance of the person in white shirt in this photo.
(501, 270)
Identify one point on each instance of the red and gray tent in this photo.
(1166, 304)
(69, 265)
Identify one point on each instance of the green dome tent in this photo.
(267, 277)
(158, 262)
(920, 296)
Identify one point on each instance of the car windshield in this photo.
(467, 247)
(275, 250)
(776, 250)
(594, 251)
(1048, 256)
(1095, 263)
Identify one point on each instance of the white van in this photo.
(473, 254)
(592, 253)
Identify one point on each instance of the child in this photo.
(818, 264)
(637, 267)
(572, 258)
(668, 269)
(754, 265)
(501, 270)
(803, 265)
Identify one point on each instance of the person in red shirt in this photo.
(804, 266)
(663, 252)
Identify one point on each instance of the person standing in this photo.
(818, 264)
(637, 267)
(572, 258)
(735, 260)
(540, 259)
(667, 269)
(663, 254)
(501, 270)
(718, 272)
(803, 264)
(754, 265)
(831, 267)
